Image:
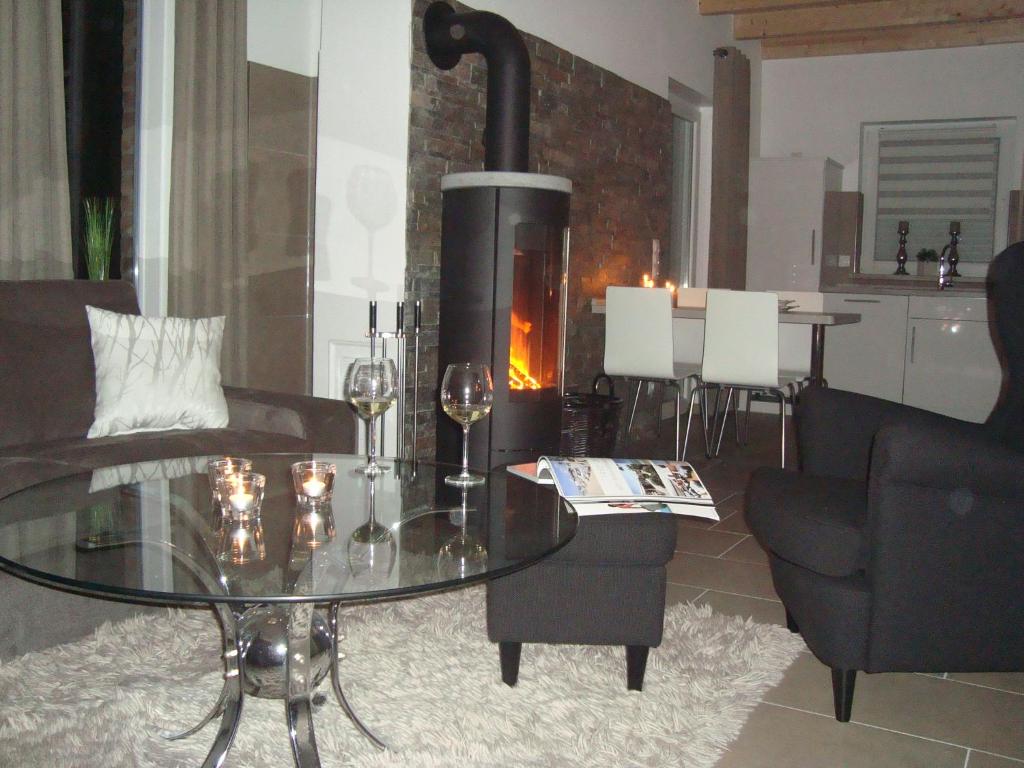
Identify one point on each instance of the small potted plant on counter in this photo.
(927, 262)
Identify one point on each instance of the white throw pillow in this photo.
(156, 373)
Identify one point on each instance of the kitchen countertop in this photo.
(906, 285)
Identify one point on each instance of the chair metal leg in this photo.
(782, 423)
(842, 692)
(679, 398)
(689, 421)
(632, 413)
(736, 416)
(746, 421)
(725, 417)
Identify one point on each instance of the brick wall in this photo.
(612, 138)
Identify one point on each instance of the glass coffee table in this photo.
(149, 533)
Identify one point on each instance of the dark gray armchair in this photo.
(899, 546)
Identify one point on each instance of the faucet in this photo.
(947, 267)
(945, 281)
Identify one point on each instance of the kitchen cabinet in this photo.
(932, 352)
(951, 362)
(867, 357)
(786, 214)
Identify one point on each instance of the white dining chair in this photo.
(741, 352)
(638, 344)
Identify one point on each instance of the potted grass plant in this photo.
(927, 262)
(99, 236)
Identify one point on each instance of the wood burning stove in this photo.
(504, 255)
(504, 260)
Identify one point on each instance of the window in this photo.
(682, 201)
(931, 174)
(687, 177)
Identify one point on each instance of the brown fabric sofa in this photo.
(47, 398)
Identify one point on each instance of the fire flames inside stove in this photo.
(518, 364)
(533, 359)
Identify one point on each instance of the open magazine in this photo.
(614, 486)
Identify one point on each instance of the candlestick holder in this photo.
(224, 467)
(241, 541)
(901, 255)
(313, 482)
(241, 494)
(314, 527)
(954, 253)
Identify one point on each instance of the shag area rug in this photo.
(420, 672)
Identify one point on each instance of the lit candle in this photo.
(240, 501)
(313, 487)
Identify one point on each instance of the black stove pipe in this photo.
(449, 35)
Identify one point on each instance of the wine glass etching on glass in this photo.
(371, 388)
(467, 393)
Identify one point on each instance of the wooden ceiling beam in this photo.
(904, 39)
(878, 15)
(714, 7)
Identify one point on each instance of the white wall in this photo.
(816, 105)
(646, 41)
(284, 34)
(362, 164)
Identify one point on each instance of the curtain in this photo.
(35, 216)
(930, 177)
(209, 165)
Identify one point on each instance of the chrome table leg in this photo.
(298, 705)
(230, 702)
(336, 681)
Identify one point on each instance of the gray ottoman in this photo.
(605, 587)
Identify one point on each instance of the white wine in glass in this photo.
(371, 386)
(467, 393)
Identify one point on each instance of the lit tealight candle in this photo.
(314, 487)
(240, 501)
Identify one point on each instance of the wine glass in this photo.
(371, 388)
(467, 393)
(463, 554)
(371, 548)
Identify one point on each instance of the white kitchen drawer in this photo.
(943, 306)
(867, 357)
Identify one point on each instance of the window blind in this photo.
(930, 177)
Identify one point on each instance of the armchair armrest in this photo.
(945, 530)
(328, 425)
(835, 429)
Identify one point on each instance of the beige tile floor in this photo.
(931, 721)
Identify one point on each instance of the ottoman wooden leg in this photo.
(510, 653)
(636, 665)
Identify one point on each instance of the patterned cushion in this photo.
(156, 373)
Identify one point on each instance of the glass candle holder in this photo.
(241, 494)
(241, 541)
(313, 481)
(314, 526)
(223, 467)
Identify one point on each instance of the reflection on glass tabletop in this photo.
(151, 531)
